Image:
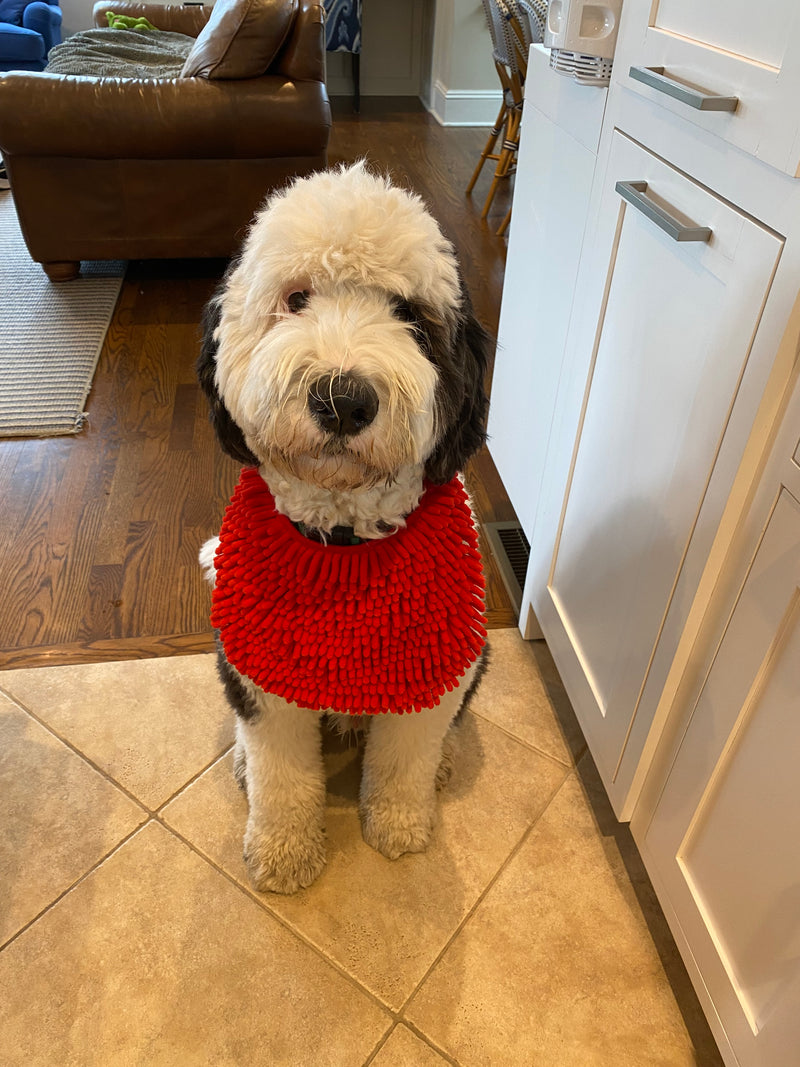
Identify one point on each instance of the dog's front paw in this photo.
(283, 862)
(393, 829)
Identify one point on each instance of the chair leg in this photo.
(504, 224)
(489, 148)
(507, 156)
(62, 271)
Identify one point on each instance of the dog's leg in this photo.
(449, 755)
(284, 844)
(452, 739)
(240, 760)
(398, 785)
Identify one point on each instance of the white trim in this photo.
(464, 107)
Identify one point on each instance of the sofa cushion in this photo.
(241, 39)
(11, 11)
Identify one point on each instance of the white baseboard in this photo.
(464, 107)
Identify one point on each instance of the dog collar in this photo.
(339, 535)
(387, 625)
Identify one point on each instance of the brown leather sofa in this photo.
(111, 168)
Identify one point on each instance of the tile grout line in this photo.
(417, 1033)
(155, 816)
(156, 820)
(150, 814)
(397, 1014)
(371, 1058)
(569, 772)
(91, 870)
(76, 751)
(264, 905)
(191, 781)
(570, 762)
(448, 1057)
(104, 773)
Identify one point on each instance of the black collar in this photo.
(339, 535)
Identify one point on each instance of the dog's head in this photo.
(342, 346)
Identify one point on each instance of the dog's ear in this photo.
(228, 433)
(464, 402)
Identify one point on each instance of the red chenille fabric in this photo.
(387, 625)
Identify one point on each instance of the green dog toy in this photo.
(128, 22)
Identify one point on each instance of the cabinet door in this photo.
(720, 48)
(722, 845)
(551, 196)
(658, 346)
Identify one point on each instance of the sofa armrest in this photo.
(44, 19)
(302, 57)
(57, 115)
(176, 18)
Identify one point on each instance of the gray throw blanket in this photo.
(107, 53)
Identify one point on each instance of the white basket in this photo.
(586, 70)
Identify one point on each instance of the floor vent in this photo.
(510, 548)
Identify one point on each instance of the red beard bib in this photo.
(386, 625)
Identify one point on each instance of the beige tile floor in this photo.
(528, 933)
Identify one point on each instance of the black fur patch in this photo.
(413, 314)
(483, 664)
(461, 398)
(240, 700)
(228, 433)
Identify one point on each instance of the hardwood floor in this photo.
(100, 532)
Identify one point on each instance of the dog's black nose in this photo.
(342, 404)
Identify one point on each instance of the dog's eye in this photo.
(406, 312)
(297, 301)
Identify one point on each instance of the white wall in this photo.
(392, 60)
(439, 50)
(77, 15)
(463, 88)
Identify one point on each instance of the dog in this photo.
(344, 368)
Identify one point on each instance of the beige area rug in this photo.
(50, 336)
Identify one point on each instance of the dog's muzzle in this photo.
(342, 404)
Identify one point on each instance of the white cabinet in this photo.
(558, 150)
(695, 56)
(725, 835)
(657, 352)
(720, 831)
(648, 424)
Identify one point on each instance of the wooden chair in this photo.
(514, 25)
(506, 61)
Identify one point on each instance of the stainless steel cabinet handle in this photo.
(636, 193)
(657, 79)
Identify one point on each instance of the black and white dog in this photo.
(341, 358)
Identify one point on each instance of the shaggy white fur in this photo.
(279, 757)
(379, 243)
(373, 511)
(345, 287)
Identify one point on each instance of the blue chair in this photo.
(343, 34)
(28, 30)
